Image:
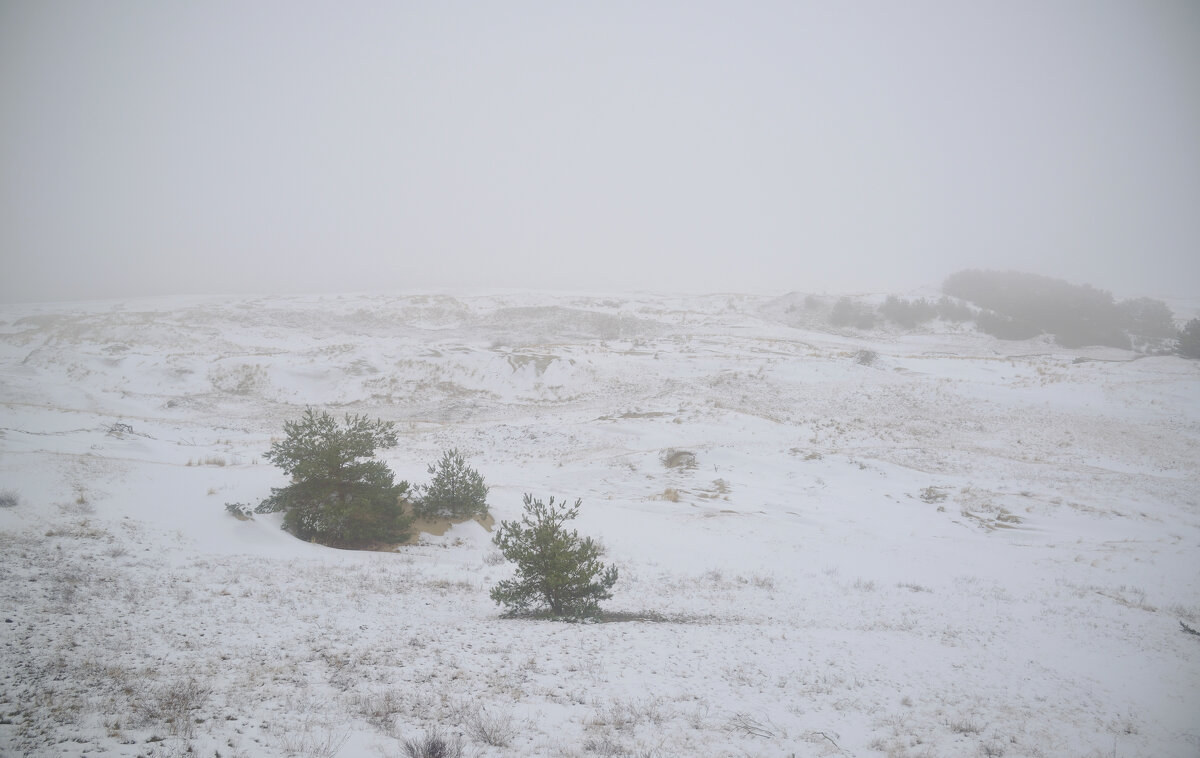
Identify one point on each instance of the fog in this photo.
(274, 147)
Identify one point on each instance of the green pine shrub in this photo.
(558, 571)
(339, 494)
(457, 490)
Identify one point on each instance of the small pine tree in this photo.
(556, 569)
(339, 494)
(457, 490)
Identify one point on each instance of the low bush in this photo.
(493, 728)
(457, 490)
(556, 569)
(672, 458)
(434, 745)
(240, 511)
(172, 704)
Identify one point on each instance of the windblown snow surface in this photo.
(926, 543)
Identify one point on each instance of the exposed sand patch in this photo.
(437, 527)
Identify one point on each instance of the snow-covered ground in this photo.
(902, 544)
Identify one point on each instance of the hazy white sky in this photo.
(227, 147)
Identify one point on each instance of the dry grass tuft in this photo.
(672, 458)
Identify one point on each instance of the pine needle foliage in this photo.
(457, 490)
(339, 494)
(557, 570)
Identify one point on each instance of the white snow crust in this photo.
(927, 543)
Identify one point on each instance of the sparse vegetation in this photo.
(491, 727)
(933, 495)
(212, 460)
(339, 494)
(9, 499)
(623, 714)
(238, 380)
(172, 704)
(240, 511)
(866, 357)
(964, 725)
(744, 723)
(556, 569)
(434, 744)
(119, 430)
(672, 458)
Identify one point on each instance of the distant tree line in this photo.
(1015, 306)
(847, 312)
(911, 313)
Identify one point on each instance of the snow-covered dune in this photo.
(890, 543)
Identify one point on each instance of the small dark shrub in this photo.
(673, 458)
(933, 495)
(9, 499)
(556, 569)
(240, 511)
(434, 745)
(490, 727)
(457, 490)
(172, 704)
(119, 430)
